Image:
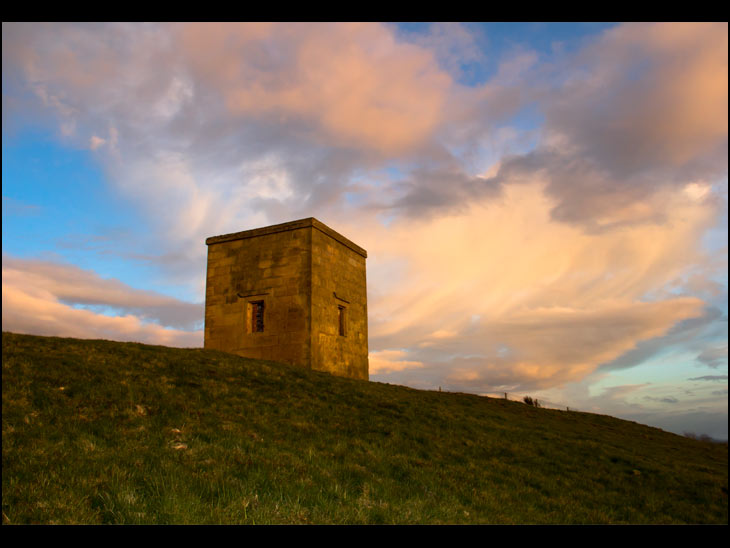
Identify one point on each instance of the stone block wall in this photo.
(338, 287)
(273, 268)
(311, 282)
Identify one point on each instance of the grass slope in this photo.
(108, 432)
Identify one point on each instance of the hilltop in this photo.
(107, 432)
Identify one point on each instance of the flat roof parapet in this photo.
(283, 227)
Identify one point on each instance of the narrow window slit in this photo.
(257, 316)
(341, 319)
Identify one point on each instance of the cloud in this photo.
(456, 47)
(45, 298)
(386, 361)
(689, 335)
(197, 108)
(217, 128)
(11, 206)
(641, 109)
(668, 399)
(714, 357)
(354, 82)
(646, 95)
(555, 261)
(657, 402)
(501, 294)
(428, 191)
(96, 142)
(710, 378)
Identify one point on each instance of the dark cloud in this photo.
(430, 191)
(668, 399)
(714, 357)
(11, 206)
(709, 378)
(584, 194)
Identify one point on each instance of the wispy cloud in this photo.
(518, 299)
(11, 206)
(709, 378)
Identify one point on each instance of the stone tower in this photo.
(293, 292)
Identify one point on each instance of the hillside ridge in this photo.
(106, 432)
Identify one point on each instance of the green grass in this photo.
(107, 432)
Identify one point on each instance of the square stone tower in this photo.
(293, 292)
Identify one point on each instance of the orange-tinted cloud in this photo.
(666, 87)
(39, 298)
(346, 85)
(387, 361)
(501, 293)
(356, 84)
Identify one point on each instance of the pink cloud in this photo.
(354, 82)
(350, 84)
(38, 298)
(647, 94)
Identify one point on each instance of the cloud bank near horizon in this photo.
(47, 298)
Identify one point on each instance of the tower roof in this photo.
(283, 227)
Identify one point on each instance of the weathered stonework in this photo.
(294, 292)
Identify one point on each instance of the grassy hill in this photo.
(107, 432)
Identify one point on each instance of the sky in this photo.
(544, 206)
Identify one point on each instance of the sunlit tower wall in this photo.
(294, 292)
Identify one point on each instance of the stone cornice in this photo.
(284, 227)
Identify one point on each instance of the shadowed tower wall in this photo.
(294, 292)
